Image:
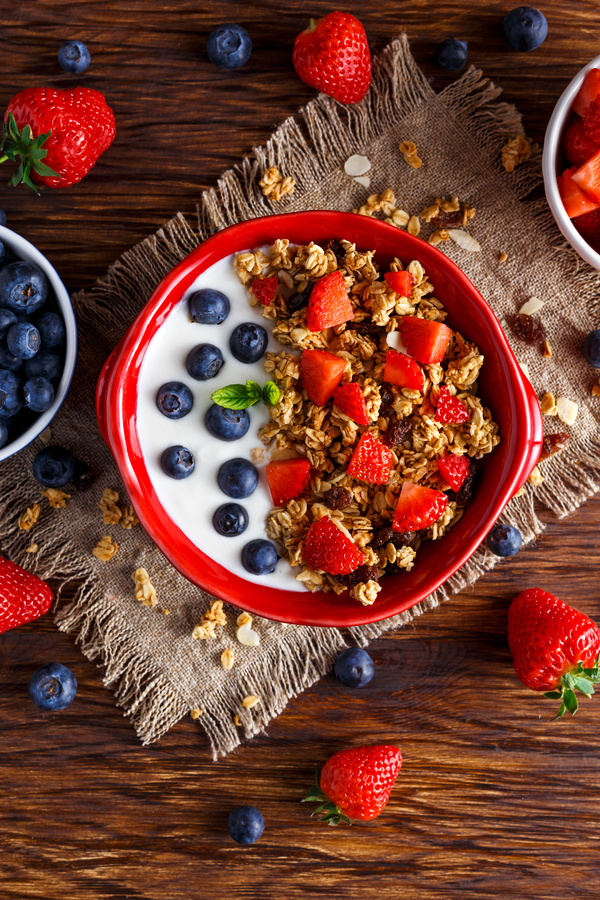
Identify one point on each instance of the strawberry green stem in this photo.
(25, 151)
(578, 679)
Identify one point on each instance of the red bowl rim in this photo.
(116, 399)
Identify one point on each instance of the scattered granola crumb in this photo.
(515, 151)
(245, 633)
(566, 410)
(166, 612)
(414, 226)
(206, 628)
(128, 517)
(596, 390)
(108, 505)
(520, 492)
(105, 549)
(56, 498)
(144, 589)
(33, 548)
(536, 477)
(548, 404)
(244, 618)
(503, 256)
(363, 180)
(250, 701)
(274, 185)
(440, 234)
(236, 721)
(546, 350)
(46, 435)
(227, 658)
(257, 454)
(408, 149)
(195, 713)
(28, 518)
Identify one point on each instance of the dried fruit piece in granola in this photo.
(287, 478)
(338, 497)
(328, 549)
(396, 432)
(552, 443)
(371, 461)
(364, 573)
(350, 400)
(418, 507)
(527, 328)
(320, 374)
(425, 340)
(329, 304)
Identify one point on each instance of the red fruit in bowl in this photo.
(350, 400)
(356, 783)
(371, 461)
(56, 135)
(264, 289)
(329, 304)
(575, 200)
(426, 341)
(449, 409)
(578, 146)
(320, 374)
(330, 550)
(587, 178)
(332, 55)
(287, 478)
(589, 90)
(555, 648)
(418, 507)
(454, 469)
(403, 370)
(23, 596)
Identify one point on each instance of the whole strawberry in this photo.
(23, 596)
(555, 648)
(356, 783)
(56, 136)
(332, 55)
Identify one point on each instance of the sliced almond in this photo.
(464, 240)
(357, 165)
(533, 305)
(566, 410)
(364, 180)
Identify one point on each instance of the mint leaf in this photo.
(234, 396)
(271, 393)
(254, 392)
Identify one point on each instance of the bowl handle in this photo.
(536, 431)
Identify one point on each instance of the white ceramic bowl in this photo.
(553, 164)
(27, 252)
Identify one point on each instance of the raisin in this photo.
(338, 497)
(527, 328)
(367, 327)
(396, 433)
(339, 251)
(387, 398)
(299, 299)
(553, 443)
(393, 569)
(464, 495)
(385, 536)
(82, 476)
(448, 219)
(362, 574)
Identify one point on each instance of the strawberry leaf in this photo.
(570, 701)
(21, 147)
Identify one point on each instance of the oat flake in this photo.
(464, 240)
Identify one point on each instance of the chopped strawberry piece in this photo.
(418, 507)
(426, 341)
(587, 178)
(589, 90)
(451, 410)
(328, 549)
(264, 289)
(320, 374)
(287, 478)
(578, 146)
(403, 370)
(454, 469)
(400, 282)
(350, 400)
(575, 200)
(23, 596)
(329, 304)
(371, 461)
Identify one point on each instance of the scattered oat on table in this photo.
(56, 498)
(227, 658)
(546, 350)
(237, 721)
(596, 390)
(128, 517)
(533, 305)
(145, 591)
(214, 616)
(503, 256)
(33, 548)
(536, 477)
(408, 149)
(245, 633)
(548, 404)
(357, 165)
(515, 151)
(105, 549)
(28, 518)
(250, 701)
(274, 186)
(108, 505)
(195, 713)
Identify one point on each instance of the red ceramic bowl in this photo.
(502, 386)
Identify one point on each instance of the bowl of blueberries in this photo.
(38, 342)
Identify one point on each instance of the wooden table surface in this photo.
(494, 799)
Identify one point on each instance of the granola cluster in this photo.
(403, 419)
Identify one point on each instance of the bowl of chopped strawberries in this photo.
(318, 418)
(571, 163)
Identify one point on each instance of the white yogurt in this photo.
(191, 502)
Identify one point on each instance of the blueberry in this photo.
(524, 28)
(51, 327)
(23, 287)
(204, 362)
(23, 340)
(245, 824)
(227, 424)
(38, 394)
(504, 540)
(591, 348)
(174, 399)
(3, 434)
(208, 307)
(259, 557)
(230, 519)
(53, 467)
(45, 363)
(248, 342)
(177, 462)
(52, 687)
(451, 54)
(354, 667)
(237, 478)
(229, 46)
(7, 320)
(2, 217)
(74, 57)
(10, 393)
(8, 360)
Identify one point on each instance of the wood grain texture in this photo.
(493, 799)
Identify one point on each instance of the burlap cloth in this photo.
(158, 673)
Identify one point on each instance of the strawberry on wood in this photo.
(320, 374)
(287, 478)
